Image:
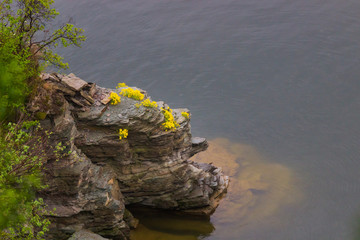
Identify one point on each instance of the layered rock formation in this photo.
(91, 187)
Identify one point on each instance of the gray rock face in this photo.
(150, 167)
(84, 195)
(84, 234)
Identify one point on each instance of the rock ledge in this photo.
(91, 187)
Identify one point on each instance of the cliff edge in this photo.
(91, 187)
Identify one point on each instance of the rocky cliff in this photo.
(91, 187)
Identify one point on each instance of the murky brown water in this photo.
(258, 188)
(166, 225)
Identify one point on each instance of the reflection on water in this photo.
(164, 225)
(258, 188)
(357, 228)
(143, 232)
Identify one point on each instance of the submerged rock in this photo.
(259, 188)
(151, 167)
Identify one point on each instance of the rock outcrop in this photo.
(85, 234)
(91, 187)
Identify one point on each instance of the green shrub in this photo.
(14, 73)
(24, 146)
(23, 150)
(23, 20)
(24, 53)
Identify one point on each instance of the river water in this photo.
(274, 85)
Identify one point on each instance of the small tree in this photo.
(13, 87)
(25, 41)
(27, 21)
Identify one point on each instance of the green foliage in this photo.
(13, 87)
(26, 44)
(14, 72)
(19, 171)
(24, 41)
(23, 150)
(25, 21)
(34, 224)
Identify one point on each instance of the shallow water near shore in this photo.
(277, 79)
(257, 191)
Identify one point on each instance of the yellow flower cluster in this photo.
(185, 115)
(114, 98)
(120, 85)
(123, 133)
(170, 123)
(132, 93)
(147, 103)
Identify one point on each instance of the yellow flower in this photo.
(185, 115)
(114, 98)
(149, 104)
(170, 123)
(168, 116)
(167, 109)
(132, 93)
(123, 133)
(120, 85)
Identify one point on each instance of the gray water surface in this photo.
(279, 75)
